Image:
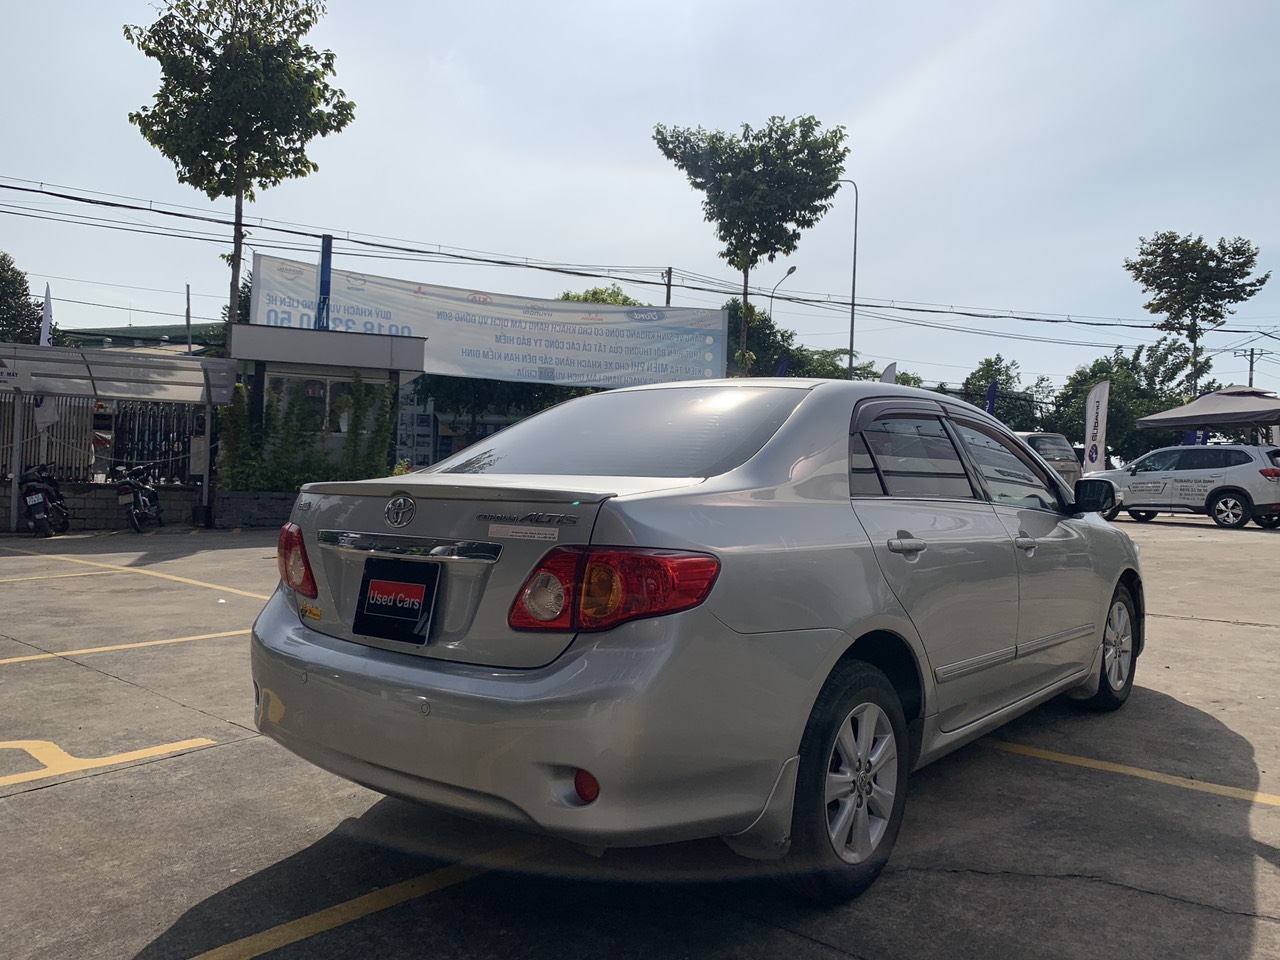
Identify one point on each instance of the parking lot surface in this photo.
(142, 816)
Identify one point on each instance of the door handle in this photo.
(1025, 543)
(907, 545)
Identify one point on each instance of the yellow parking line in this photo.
(138, 570)
(1200, 786)
(58, 576)
(57, 761)
(328, 919)
(121, 646)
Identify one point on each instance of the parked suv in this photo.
(1056, 450)
(1232, 483)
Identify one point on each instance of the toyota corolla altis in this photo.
(742, 609)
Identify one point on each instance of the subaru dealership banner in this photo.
(474, 334)
(1095, 427)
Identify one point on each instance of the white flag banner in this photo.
(890, 374)
(46, 323)
(471, 333)
(1095, 427)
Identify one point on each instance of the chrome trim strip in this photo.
(391, 545)
(954, 671)
(1044, 643)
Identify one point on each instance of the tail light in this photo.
(596, 588)
(291, 558)
(1271, 473)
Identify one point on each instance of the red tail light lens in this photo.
(596, 588)
(1271, 473)
(291, 558)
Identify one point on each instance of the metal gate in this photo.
(157, 436)
(66, 442)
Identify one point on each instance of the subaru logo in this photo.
(646, 316)
(399, 511)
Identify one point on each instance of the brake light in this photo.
(1271, 473)
(291, 558)
(597, 588)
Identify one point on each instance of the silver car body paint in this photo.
(692, 721)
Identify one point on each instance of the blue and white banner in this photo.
(495, 336)
(1095, 427)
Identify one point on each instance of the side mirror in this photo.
(1133, 471)
(1095, 496)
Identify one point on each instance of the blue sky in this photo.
(1008, 157)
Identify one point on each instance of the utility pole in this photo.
(668, 275)
(1253, 353)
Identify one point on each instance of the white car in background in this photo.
(1232, 483)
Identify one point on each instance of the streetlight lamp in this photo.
(853, 293)
(790, 270)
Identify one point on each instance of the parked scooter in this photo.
(138, 497)
(46, 508)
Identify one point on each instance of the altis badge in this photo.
(391, 598)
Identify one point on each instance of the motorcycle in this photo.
(46, 507)
(139, 498)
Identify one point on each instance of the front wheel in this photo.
(1143, 516)
(852, 786)
(1231, 510)
(1112, 513)
(1119, 654)
(1269, 522)
(61, 519)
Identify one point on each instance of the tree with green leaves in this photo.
(761, 188)
(241, 95)
(20, 317)
(1193, 284)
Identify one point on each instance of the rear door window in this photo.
(916, 458)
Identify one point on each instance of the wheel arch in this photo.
(1239, 492)
(1133, 583)
(894, 657)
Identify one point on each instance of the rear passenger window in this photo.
(916, 458)
(1237, 458)
(863, 479)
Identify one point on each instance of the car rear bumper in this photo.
(685, 739)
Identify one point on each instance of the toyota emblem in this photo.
(399, 511)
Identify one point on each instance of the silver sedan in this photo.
(742, 609)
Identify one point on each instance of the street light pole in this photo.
(853, 293)
(790, 270)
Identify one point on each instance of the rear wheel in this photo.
(1143, 516)
(1270, 522)
(42, 527)
(852, 786)
(135, 521)
(1230, 510)
(1112, 513)
(1119, 654)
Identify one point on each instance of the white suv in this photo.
(1232, 483)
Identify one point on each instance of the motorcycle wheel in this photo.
(159, 515)
(61, 520)
(135, 521)
(42, 527)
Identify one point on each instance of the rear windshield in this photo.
(677, 432)
(1052, 447)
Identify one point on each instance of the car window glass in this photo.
(1202, 458)
(1236, 458)
(1160, 460)
(1009, 478)
(863, 479)
(1052, 447)
(679, 432)
(916, 458)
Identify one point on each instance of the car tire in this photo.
(1143, 516)
(1268, 522)
(851, 788)
(1119, 654)
(1230, 509)
(1112, 513)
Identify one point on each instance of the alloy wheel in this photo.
(1117, 645)
(862, 780)
(1229, 512)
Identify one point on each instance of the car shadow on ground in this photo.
(1001, 854)
(169, 543)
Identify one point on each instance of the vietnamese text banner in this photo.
(500, 337)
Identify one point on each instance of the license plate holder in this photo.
(396, 599)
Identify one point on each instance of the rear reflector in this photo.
(596, 588)
(291, 558)
(586, 786)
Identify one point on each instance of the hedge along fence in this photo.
(297, 444)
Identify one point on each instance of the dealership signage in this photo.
(496, 336)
